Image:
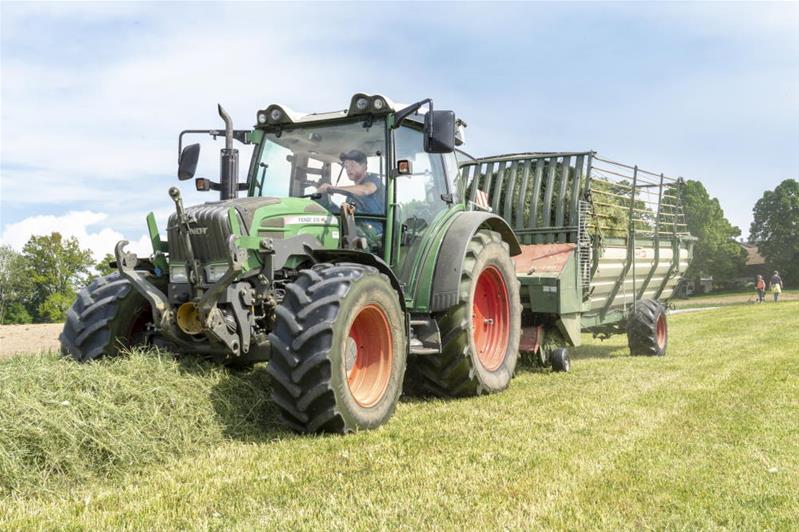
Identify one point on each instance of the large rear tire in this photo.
(107, 315)
(338, 350)
(647, 329)
(480, 335)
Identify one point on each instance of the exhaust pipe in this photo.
(228, 161)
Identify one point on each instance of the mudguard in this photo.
(449, 264)
(360, 257)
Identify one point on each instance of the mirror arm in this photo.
(402, 114)
(238, 134)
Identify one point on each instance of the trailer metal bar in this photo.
(539, 174)
(523, 193)
(546, 220)
(529, 155)
(630, 259)
(507, 211)
(562, 202)
(496, 194)
(675, 256)
(656, 261)
(574, 214)
(653, 174)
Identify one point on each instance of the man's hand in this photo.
(325, 188)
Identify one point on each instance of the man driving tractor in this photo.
(368, 195)
(368, 192)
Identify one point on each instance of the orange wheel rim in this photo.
(661, 331)
(490, 318)
(369, 355)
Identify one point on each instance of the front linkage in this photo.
(200, 313)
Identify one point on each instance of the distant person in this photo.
(776, 285)
(760, 286)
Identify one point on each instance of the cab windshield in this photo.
(297, 160)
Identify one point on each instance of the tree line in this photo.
(774, 230)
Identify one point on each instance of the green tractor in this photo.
(339, 284)
(423, 258)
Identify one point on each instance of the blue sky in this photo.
(94, 95)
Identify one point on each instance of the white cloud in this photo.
(78, 224)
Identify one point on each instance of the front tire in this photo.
(647, 329)
(480, 335)
(338, 350)
(107, 315)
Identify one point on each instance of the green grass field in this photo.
(739, 297)
(706, 437)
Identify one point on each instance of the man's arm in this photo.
(364, 189)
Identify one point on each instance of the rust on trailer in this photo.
(530, 340)
(543, 258)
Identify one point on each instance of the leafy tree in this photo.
(56, 268)
(54, 308)
(102, 267)
(716, 252)
(16, 312)
(775, 228)
(15, 287)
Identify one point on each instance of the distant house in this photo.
(755, 265)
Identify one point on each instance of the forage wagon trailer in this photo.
(602, 244)
(420, 258)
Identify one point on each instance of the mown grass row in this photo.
(63, 422)
(706, 437)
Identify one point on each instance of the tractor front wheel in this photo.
(480, 335)
(338, 350)
(107, 316)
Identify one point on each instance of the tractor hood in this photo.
(275, 218)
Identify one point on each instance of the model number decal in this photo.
(294, 220)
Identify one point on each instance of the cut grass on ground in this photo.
(705, 437)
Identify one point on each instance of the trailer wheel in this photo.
(338, 350)
(647, 329)
(106, 316)
(560, 359)
(480, 335)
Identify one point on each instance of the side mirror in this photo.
(439, 132)
(187, 164)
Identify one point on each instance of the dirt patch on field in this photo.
(30, 338)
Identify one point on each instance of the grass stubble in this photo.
(706, 437)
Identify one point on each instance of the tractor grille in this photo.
(211, 229)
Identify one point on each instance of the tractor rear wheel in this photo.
(480, 335)
(107, 316)
(647, 329)
(338, 350)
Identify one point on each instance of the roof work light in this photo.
(369, 104)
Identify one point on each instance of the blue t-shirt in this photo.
(373, 203)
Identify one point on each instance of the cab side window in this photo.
(419, 196)
(419, 192)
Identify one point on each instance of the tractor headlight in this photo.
(178, 273)
(379, 104)
(361, 104)
(262, 118)
(214, 272)
(276, 115)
